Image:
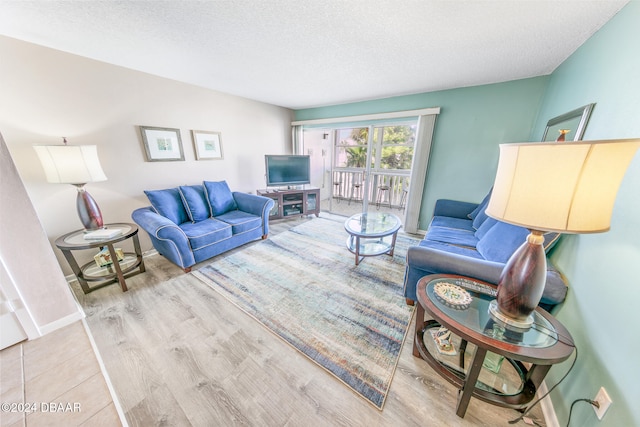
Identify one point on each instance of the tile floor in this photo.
(58, 378)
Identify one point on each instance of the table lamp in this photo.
(76, 165)
(566, 187)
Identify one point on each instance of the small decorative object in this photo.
(492, 362)
(563, 132)
(575, 120)
(442, 338)
(103, 233)
(452, 295)
(208, 145)
(162, 144)
(103, 258)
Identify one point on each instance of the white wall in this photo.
(31, 278)
(47, 94)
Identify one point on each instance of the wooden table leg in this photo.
(464, 395)
(418, 329)
(116, 266)
(76, 270)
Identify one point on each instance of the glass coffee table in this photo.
(482, 356)
(372, 234)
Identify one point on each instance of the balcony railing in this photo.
(348, 184)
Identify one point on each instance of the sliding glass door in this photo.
(372, 166)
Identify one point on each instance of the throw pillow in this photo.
(195, 201)
(220, 197)
(478, 215)
(501, 241)
(485, 227)
(168, 203)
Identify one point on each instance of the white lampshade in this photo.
(70, 164)
(567, 187)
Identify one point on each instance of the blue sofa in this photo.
(190, 224)
(462, 239)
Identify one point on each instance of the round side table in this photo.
(479, 344)
(108, 274)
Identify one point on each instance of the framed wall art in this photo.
(162, 144)
(208, 145)
(568, 126)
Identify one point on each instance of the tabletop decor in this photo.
(452, 295)
(161, 144)
(350, 321)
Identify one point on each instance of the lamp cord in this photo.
(592, 402)
(555, 385)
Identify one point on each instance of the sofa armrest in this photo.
(167, 238)
(453, 208)
(256, 205)
(422, 261)
(253, 204)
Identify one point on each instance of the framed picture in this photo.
(162, 144)
(208, 145)
(568, 126)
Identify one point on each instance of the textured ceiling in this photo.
(309, 53)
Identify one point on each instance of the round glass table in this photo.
(482, 356)
(110, 272)
(372, 234)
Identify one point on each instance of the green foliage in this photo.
(397, 151)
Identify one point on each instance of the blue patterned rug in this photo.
(304, 286)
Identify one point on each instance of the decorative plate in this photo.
(452, 295)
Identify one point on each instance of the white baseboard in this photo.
(549, 413)
(61, 323)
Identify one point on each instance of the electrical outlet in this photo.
(604, 401)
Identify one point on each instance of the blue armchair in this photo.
(190, 224)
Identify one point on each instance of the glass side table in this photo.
(108, 274)
(486, 357)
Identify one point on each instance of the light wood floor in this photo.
(179, 354)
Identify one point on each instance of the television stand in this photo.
(289, 202)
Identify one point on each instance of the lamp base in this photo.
(88, 210)
(517, 325)
(522, 282)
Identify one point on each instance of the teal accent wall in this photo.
(471, 124)
(603, 269)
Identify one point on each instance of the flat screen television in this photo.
(287, 170)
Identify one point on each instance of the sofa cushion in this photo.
(460, 250)
(241, 221)
(195, 202)
(168, 203)
(550, 240)
(501, 241)
(220, 197)
(481, 207)
(452, 236)
(449, 222)
(485, 227)
(207, 232)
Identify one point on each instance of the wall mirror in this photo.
(568, 126)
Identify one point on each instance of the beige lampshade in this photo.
(567, 187)
(70, 164)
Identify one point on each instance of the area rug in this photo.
(304, 286)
